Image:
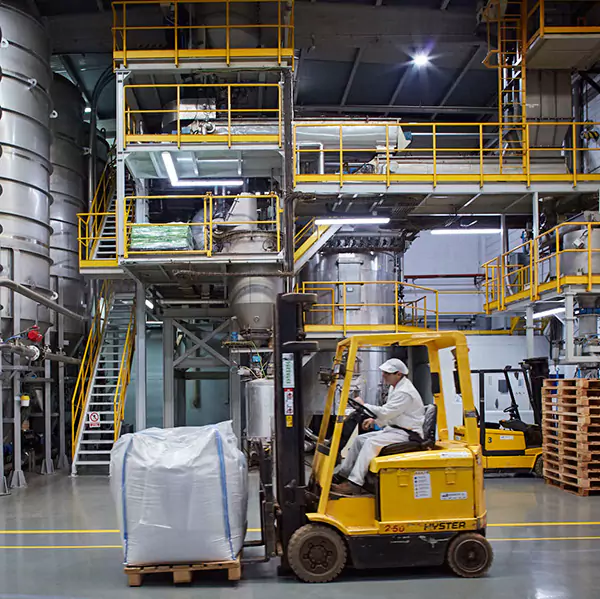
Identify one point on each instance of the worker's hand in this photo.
(368, 424)
(359, 400)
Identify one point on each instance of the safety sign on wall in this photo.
(94, 420)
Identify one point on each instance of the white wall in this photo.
(490, 351)
(446, 254)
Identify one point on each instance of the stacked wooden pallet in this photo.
(571, 429)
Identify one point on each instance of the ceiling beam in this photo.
(350, 80)
(463, 71)
(386, 109)
(401, 83)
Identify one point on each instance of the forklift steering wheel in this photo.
(360, 408)
(509, 410)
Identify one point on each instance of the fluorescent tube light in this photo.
(149, 304)
(466, 231)
(366, 220)
(552, 312)
(176, 182)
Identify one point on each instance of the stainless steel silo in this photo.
(67, 187)
(370, 299)
(25, 108)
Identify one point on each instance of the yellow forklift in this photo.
(512, 445)
(427, 507)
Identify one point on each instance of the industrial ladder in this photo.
(104, 402)
(510, 20)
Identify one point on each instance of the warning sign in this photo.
(94, 420)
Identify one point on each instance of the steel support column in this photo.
(168, 373)
(288, 175)
(3, 482)
(47, 464)
(62, 462)
(120, 162)
(529, 332)
(140, 350)
(503, 235)
(535, 208)
(569, 326)
(17, 476)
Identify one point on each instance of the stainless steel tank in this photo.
(25, 108)
(260, 408)
(327, 271)
(67, 186)
(576, 262)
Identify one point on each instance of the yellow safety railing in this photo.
(157, 240)
(90, 224)
(124, 375)
(542, 264)
(89, 361)
(193, 120)
(91, 234)
(542, 20)
(306, 237)
(198, 30)
(442, 153)
(335, 309)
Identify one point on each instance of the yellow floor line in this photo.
(548, 539)
(60, 547)
(58, 532)
(527, 524)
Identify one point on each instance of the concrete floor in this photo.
(546, 543)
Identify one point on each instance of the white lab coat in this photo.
(404, 407)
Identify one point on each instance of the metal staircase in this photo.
(106, 247)
(99, 398)
(309, 240)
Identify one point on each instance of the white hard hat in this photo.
(394, 365)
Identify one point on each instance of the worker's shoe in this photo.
(347, 489)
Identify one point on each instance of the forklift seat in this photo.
(428, 441)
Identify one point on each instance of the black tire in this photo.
(316, 553)
(538, 467)
(470, 555)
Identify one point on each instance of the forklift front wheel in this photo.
(470, 555)
(316, 553)
(538, 467)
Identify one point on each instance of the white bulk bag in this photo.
(181, 494)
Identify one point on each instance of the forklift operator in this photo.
(400, 419)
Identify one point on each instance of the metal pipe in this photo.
(201, 275)
(100, 85)
(569, 326)
(27, 351)
(40, 299)
(61, 358)
(529, 332)
(536, 213)
(375, 108)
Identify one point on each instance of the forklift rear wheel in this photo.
(316, 553)
(470, 555)
(538, 467)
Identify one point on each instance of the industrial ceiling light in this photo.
(420, 60)
(176, 182)
(468, 231)
(87, 109)
(552, 312)
(364, 220)
(149, 304)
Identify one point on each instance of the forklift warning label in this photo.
(457, 496)
(287, 371)
(422, 484)
(506, 437)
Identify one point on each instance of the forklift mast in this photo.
(290, 345)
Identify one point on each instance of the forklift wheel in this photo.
(316, 553)
(538, 467)
(470, 555)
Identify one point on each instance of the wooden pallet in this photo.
(571, 430)
(572, 488)
(182, 573)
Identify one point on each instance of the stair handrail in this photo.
(89, 361)
(124, 375)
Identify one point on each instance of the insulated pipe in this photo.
(40, 299)
(100, 85)
(62, 358)
(23, 350)
(192, 274)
